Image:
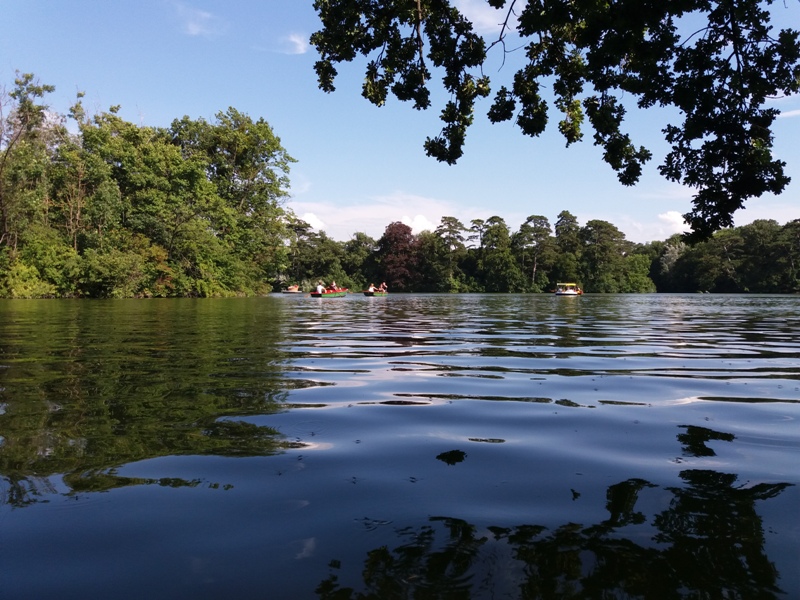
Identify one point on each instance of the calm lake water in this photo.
(419, 446)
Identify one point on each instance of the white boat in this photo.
(568, 289)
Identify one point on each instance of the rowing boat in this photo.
(337, 293)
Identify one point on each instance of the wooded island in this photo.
(110, 209)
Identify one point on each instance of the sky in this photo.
(359, 167)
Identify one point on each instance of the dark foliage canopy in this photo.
(716, 62)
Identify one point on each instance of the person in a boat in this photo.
(321, 287)
(332, 286)
(371, 287)
(382, 287)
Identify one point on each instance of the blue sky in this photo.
(359, 167)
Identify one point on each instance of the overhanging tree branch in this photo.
(592, 54)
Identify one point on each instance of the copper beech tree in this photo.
(716, 62)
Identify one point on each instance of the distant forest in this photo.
(109, 209)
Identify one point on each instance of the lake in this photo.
(413, 446)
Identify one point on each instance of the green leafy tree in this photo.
(433, 264)
(602, 257)
(24, 156)
(790, 240)
(169, 200)
(662, 269)
(568, 236)
(55, 260)
(636, 275)
(713, 265)
(249, 167)
(497, 268)
(397, 256)
(593, 55)
(728, 244)
(764, 260)
(652, 251)
(358, 260)
(451, 232)
(294, 272)
(318, 257)
(86, 200)
(536, 248)
(568, 242)
(21, 280)
(129, 265)
(245, 159)
(222, 238)
(122, 210)
(478, 228)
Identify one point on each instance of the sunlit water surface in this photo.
(421, 446)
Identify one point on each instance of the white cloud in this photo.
(673, 221)
(766, 208)
(313, 220)
(642, 231)
(418, 224)
(372, 216)
(308, 548)
(200, 22)
(294, 43)
(664, 226)
(789, 114)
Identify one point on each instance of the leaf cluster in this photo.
(716, 63)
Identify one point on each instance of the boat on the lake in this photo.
(375, 293)
(293, 289)
(568, 289)
(335, 293)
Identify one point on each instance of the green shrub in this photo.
(23, 281)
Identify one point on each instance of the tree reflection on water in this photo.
(695, 439)
(88, 388)
(708, 543)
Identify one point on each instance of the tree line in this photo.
(114, 209)
(487, 256)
